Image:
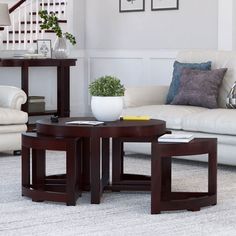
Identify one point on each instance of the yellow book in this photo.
(135, 118)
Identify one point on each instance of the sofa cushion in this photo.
(6, 129)
(219, 59)
(175, 83)
(199, 88)
(12, 116)
(173, 115)
(217, 121)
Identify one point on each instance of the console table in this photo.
(63, 80)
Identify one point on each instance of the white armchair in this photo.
(12, 119)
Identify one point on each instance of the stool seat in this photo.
(35, 184)
(162, 198)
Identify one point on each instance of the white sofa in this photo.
(202, 122)
(12, 119)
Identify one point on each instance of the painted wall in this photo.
(139, 48)
(194, 25)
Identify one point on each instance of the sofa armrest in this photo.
(12, 97)
(147, 95)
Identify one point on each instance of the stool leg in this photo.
(86, 164)
(117, 160)
(25, 163)
(79, 166)
(166, 178)
(156, 180)
(212, 172)
(95, 170)
(38, 171)
(105, 161)
(71, 156)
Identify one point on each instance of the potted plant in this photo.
(50, 22)
(107, 98)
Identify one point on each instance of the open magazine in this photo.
(84, 122)
(176, 138)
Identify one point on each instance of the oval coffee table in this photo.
(92, 137)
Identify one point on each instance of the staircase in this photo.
(25, 23)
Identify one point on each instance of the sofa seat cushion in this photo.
(5, 129)
(172, 114)
(216, 121)
(12, 116)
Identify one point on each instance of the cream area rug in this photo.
(121, 213)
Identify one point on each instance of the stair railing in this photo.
(25, 29)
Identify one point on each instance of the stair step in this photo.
(28, 31)
(51, 4)
(17, 41)
(57, 12)
(40, 22)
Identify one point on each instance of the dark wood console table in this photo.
(63, 80)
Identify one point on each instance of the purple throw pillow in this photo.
(199, 88)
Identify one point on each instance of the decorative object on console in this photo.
(199, 88)
(231, 98)
(36, 104)
(4, 15)
(50, 22)
(175, 83)
(4, 18)
(44, 47)
(107, 98)
(131, 5)
(160, 5)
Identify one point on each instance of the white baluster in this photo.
(31, 23)
(59, 10)
(48, 6)
(19, 28)
(54, 6)
(13, 31)
(65, 8)
(37, 19)
(25, 26)
(42, 31)
(42, 5)
(7, 37)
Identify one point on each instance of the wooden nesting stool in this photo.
(59, 188)
(162, 198)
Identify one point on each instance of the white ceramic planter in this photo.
(107, 108)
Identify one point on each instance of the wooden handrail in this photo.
(13, 8)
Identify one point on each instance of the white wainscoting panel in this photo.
(132, 67)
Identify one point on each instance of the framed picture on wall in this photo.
(44, 47)
(161, 5)
(131, 5)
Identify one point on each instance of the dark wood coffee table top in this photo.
(108, 129)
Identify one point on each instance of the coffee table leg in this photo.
(212, 171)
(25, 166)
(95, 170)
(86, 164)
(38, 170)
(71, 156)
(117, 160)
(166, 178)
(156, 180)
(105, 161)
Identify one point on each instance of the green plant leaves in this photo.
(50, 22)
(107, 86)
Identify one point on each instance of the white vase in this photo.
(60, 48)
(107, 108)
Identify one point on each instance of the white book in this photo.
(176, 138)
(84, 122)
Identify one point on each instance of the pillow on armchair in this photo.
(175, 83)
(199, 88)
